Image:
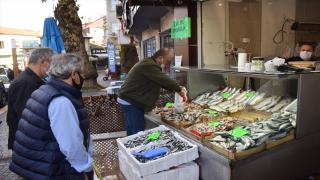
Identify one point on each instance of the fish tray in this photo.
(185, 130)
(251, 115)
(187, 171)
(236, 155)
(202, 135)
(163, 163)
(271, 144)
(172, 123)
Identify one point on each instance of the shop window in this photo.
(1, 44)
(167, 41)
(149, 47)
(115, 27)
(17, 44)
(113, 4)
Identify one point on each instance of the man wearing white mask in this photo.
(307, 52)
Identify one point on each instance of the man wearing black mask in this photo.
(56, 125)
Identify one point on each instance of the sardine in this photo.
(278, 136)
(281, 104)
(257, 99)
(285, 125)
(217, 108)
(241, 95)
(261, 140)
(293, 122)
(271, 104)
(265, 102)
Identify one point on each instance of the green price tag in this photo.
(169, 104)
(154, 136)
(249, 94)
(214, 124)
(225, 95)
(212, 112)
(238, 132)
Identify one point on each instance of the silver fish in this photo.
(281, 104)
(261, 140)
(278, 136)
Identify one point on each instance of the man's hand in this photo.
(183, 93)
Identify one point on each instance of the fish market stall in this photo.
(270, 133)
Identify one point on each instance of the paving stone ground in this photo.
(5, 154)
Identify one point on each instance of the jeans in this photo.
(134, 119)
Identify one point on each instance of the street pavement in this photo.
(5, 154)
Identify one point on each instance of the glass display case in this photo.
(292, 156)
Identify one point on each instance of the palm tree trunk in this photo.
(70, 26)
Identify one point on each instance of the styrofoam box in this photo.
(187, 171)
(154, 166)
(121, 141)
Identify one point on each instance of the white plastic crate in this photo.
(121, 141)
(187, 171)
(163, 163)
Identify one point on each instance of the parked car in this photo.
(3, 95)
(8, 72)
(6, 81)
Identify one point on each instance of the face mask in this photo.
(305, 55)
(78, 86)
(47, 77)
(162, 65)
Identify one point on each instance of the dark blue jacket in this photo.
(36, 151)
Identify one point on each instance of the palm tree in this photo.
(66, 13)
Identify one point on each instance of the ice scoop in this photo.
(151, 153)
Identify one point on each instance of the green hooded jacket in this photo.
(143, 84)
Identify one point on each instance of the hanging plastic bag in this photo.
(179, 105)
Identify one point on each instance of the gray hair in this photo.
(63, 64)
(40, 53)
(161, 52)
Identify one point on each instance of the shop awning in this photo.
(144, 15)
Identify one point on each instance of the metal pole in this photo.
(14, 57)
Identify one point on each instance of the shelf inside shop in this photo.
(228, 70)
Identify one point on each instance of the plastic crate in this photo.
(163, 163)
(187, 171)
(121, 141)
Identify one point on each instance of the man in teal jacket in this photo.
(141, 89)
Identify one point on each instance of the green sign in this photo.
(238, 132)
(181, 28)
(213, 124)
(212, 112)
(170, 104)
(154, 136)
(249, 94)
(225, 95)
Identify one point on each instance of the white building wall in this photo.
(214, 31)
(273, 16)
(166, 21)
(6, 53)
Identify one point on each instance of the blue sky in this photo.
(30, 14)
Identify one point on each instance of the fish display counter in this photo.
(269, 133)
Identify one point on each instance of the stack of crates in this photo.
(178, 165)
